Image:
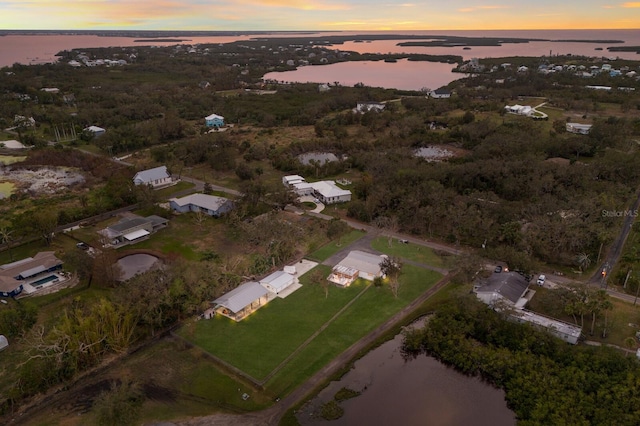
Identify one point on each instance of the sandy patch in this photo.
(46, 180)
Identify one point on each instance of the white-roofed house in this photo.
(95, 131)
(214, 120)
(155, 178)
(357, 264)
(441, 93)
(363, 107)
(278, 281)
(242, 301)
(578, 128)
(329, 193)
(209, 204)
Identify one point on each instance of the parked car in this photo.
(404, 241)
(83, 246)
(498, 269)
(541, 279)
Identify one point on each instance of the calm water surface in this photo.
(136, 264)
(418, 392)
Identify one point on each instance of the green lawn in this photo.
(258, 344)
(373, 308)
(165, 193)
(326, 251)
(412, 252)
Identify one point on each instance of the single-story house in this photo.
(208, 204)
(278, 281)
(3, 342)
(214, 120)
(509, 287)
(133, 230)
(579, 128)
(441, 93)
(155, 178)
(357, 264)
(14, 275)
(519, 109)
(242, 301)
(290, 180)
(329, 193)
(95, 130)
(363, 107)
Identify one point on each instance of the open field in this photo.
(324, 252)
(409, 251)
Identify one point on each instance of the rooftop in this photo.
(510, 285)
(242, 296)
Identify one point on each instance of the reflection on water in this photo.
(421, 392)
(136, 264)
(403, 75)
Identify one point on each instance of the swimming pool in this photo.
(44, 280)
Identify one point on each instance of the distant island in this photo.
(161, 40)
(624, 49)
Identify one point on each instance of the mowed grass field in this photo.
(260, 343)
(414, 252)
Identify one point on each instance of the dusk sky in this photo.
(317, 14)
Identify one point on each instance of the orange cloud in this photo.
(299, 4)
(631, 4)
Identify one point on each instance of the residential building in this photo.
(95, 130)
(278, 281)
(441, 93)
(357, 264)
(208, 204)
(363, 107)
(133, 230)
(509, 287)
(329, 193)
(578, 128)
(156, 178)
(214, 120)
(241, 301)
(15, 276)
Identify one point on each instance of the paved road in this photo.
(616, 249)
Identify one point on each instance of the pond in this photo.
(320, 157)
(421, 391)
(135, 264)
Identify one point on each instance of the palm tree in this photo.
(584, 261)
(5, 238)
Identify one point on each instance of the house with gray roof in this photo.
(132, 230)
(357, 264)
(208, 204)
(507, 287)
(241, 301)
(157, 177)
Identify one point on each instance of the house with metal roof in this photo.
(330, 193)
(95, 131)
(208, 204)
(15, 276)
(578, 128)
(241, 301)
(156, 178)
(441, 93)
(133, 230)
(214, 120)
(278, 281)
(357, 264)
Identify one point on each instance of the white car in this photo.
(541, 279)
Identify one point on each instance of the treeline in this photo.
(546, 381)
